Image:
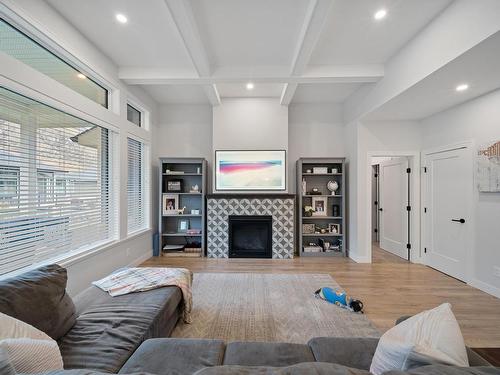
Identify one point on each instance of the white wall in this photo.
(382, 138)
(250, 124)
(183, 130)
(458, 28)
(314, 130)
(40, 18)
(477, 120)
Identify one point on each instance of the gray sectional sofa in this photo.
(129, 335)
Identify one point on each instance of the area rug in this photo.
(268, 307)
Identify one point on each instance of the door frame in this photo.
(470, 250)
(414, 162)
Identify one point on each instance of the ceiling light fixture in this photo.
(250, 86)
(462, 87)
(81, 76)
(121, 18)
(380, 14)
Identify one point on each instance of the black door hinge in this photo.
(376, 175)
(408, 170)
(408, 246)
(425, 250)
(408, 208)
(375, 203)
(425, 210)
(375, 230)
(425, 169)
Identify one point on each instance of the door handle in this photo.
(381, 209)
(461, 221)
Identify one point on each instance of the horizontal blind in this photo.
(56, 183)
(136, 186)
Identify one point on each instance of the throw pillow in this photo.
(11, 328)
(30, 356)
(5, 365)
(39, 298)
(433, 335)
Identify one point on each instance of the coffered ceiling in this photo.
(199, 51)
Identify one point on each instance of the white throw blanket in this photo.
(131, 280)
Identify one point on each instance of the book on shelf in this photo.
(192, 249)
(174, 172)
(312, 249)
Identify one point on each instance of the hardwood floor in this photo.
(390, 287)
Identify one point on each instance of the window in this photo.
(136, 186)
(134, 115)
(23, 48)
(56, 179)
(9, 187)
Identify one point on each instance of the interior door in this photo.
(448, 178)
(393, 218)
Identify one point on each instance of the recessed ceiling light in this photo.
(380, 14)
(121, 18)
(462, 87)
(81, 76)
(250, 86)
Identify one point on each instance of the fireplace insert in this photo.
(250, 236)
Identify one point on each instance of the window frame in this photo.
(112, 170)
(141, 115)
(42, 40)
(145, 188)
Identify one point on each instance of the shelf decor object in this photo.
(321, 209)
(182, 216)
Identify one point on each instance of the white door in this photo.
(393, 218)
(448, 193)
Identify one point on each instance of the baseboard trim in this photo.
(358, 259)
(485, 287)
(141, 259)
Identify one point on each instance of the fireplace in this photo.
(250, 236)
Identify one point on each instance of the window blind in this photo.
(136, 186)
(56, 183)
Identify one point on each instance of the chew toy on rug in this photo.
(340, 298)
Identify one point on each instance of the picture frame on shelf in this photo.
(182, 226)
(174, 186)
(319, 206)
(170, 204)
(320, 170)
(308, 228)
(334, 228)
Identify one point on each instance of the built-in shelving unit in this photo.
(330, 210)
(178, 177)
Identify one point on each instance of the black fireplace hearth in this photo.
(250, 236)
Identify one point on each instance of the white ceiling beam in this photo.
(182, 15)
(323, 74)
(314, 22)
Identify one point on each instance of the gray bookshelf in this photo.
(330, 209)
(177, 176)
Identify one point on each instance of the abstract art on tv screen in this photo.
(488, 167)
(250, 170)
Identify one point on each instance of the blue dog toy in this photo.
(339, 298)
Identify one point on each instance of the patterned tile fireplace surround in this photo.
(281, 207)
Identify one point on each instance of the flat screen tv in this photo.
(250, 170)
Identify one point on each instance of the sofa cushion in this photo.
(109, 329)
(447, 370)
(266, 354)
(306, 368)
(348, 351)
(175, 356)
(39, 298)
